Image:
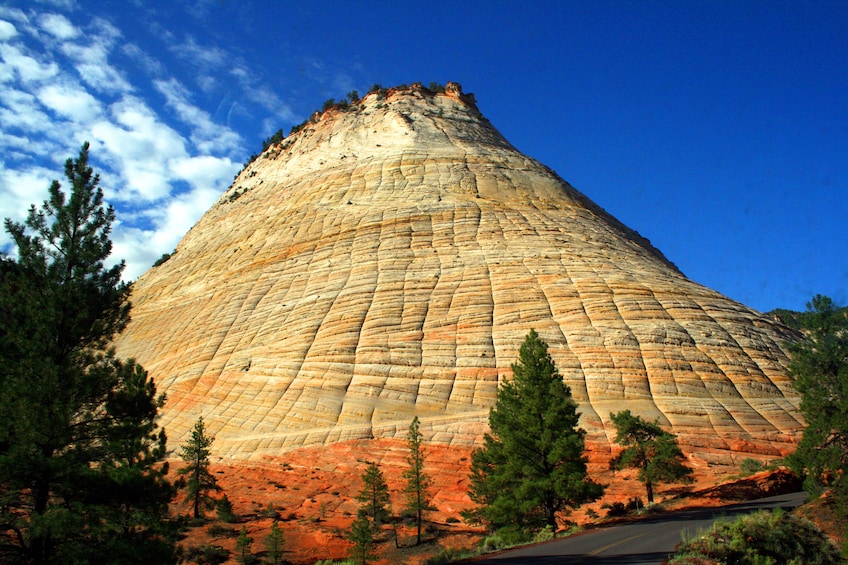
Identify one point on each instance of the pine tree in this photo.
(362, 535)
(819, 366)
(374, 496)
(275, 544)
(532, 464)
(81, 472)
(243, 544)
(199, 481)
(417, 481)
(650, 449)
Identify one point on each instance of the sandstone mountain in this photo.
(388, 259)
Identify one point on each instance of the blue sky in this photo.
(719, 130)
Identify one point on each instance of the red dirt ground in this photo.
(313, 492)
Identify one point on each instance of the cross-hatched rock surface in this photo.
(387, 261)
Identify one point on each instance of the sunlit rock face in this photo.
(387, 260)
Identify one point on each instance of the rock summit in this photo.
(387, 260)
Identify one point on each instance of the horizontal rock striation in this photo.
(387, 261)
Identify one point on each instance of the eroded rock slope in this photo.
(387, 261)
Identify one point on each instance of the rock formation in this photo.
(387, 261)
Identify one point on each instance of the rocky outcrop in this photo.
(387, 261)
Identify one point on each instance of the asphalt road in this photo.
(647, 542)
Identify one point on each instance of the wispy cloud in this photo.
(61, 82)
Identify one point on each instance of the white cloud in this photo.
(28, 68)
(21, 110)
(207, 136)
(162, 164)
(58, 26)
(138, 147)
(206, 172)
(92, 60)
(7, 30)
(70, 102)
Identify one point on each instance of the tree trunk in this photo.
(649, 487)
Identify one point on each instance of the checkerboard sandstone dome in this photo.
(387, 260)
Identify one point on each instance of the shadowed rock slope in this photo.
(387, 261)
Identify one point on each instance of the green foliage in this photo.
(820, 367)
(417, 481)
(207, 554)
(199, 481)
(750, 466)
(353, 96)
(532, 465)
(764, 538)
(275, 544)
(163, 258)
(224, 509)
(362, 535)
(381, 92)
(374, 496)
(82, 476)
(243, 544)
(436, 88)
(545, 534)
(275, 138)
(650, 449)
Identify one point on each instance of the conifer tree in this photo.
(199, 481)
(532, 464)
(650, 449)
(374, 496)
(819, 366)
(417, 481)
(81, 472)
(362, 535)
(243, 544)
(275, 543)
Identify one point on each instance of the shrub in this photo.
(449, 555)
(224, 509)
(270, 511)
(750, 466)
(207, 554)
(616, 509)
(545, 534)
(764, 538)
(217, 530)
(163, 258)
(635, 504)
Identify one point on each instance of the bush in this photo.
(163, 258)
(545, 534)
(449, 555)
(218, 530)
(207, 554)
(764, 538)
(270, 511)
(750, 466)
(491, 543)
(616, 509)
(224, 509)
(635, 504)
